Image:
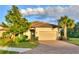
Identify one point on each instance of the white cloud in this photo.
(32, 11)
(73, 11)
(55, 12)
(23, 11)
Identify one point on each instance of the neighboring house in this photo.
(43, 31)
(2, 29)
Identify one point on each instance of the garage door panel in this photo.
(47, 35)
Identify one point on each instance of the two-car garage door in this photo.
(47, 35)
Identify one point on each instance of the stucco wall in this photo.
(28, 34)
(54, 33)
(1, 32)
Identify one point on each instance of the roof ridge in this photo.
(42, 24)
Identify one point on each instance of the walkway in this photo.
(20, 50)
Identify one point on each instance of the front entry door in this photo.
(32, 34)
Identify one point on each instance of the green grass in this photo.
(25, 44)
(74, 41)
(30, 44)
(7, 52)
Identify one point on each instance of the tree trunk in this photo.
(13, 37)
(65, 32)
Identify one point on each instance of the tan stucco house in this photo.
(40, 30)
(43, 31)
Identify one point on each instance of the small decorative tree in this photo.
(15, 22)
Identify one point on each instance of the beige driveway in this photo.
(54, 47)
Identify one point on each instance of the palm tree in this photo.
(66, 23)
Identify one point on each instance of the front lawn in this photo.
(74, 41)
(24, 44)
(7, 52)
(29, 44)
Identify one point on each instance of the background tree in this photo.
(66, 23)
(77, 27)
(75, 32)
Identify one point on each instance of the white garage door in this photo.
(47, 35)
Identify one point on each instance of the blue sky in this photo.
(46, 13)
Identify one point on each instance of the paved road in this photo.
(54, 47)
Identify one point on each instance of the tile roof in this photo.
(42, 24)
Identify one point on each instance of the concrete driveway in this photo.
(54, 47)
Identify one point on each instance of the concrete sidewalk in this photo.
(20, 50)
